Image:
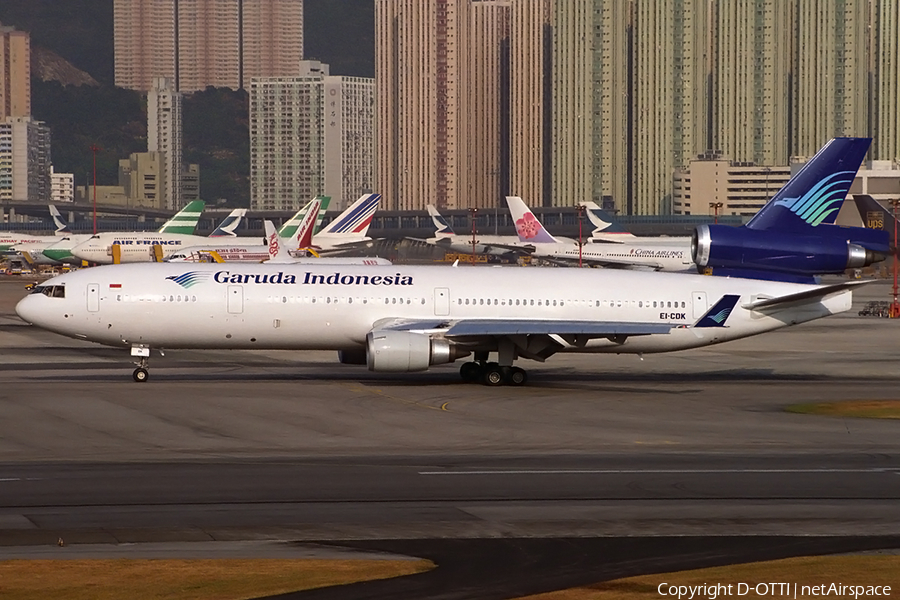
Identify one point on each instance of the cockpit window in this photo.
(51, 291)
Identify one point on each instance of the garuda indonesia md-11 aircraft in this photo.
(400, 319)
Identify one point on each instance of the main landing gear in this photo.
(492, 374)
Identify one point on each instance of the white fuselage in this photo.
(672, 255)
(484, 244)
(138, 247)
(259, 254)
(171, 305)
(8, 240)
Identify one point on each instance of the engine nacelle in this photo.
(403, 351)
(720, 246)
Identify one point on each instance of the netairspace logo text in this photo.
(781, 590)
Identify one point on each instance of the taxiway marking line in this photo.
(655, 471)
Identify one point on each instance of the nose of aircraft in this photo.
(27, 310)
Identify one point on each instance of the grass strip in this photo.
(868, 409)
(808, 570)
(228, 579)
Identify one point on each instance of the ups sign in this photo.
(875, 219)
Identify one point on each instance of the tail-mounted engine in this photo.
(720, 246)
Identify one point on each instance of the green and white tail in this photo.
(185, 220)
(289, 229)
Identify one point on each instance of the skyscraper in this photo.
(15, 73)
(164, 135)
(200, 43)
(310, 135)
(24, 160)
(442, 75)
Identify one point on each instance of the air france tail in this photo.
(185, 220)
(229, 224)
(356, 219)
(441, 226)
(528, 227)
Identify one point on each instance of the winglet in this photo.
(528, 227)
(718, 314)
(442, 227)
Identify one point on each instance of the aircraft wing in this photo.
(819, 292)
(537, 339)
(504, 327)
(610, 263)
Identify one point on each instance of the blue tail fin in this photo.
(814, 195)
(718, 314)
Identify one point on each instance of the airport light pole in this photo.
(715, 206)
(894, 311)
(473, 212)
(94, 150)
(580, 237)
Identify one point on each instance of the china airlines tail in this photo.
(528, 227)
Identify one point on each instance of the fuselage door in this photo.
(441, 302)
(93, 297)
(700, 304)
(235, 299)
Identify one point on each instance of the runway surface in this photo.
(236, 446)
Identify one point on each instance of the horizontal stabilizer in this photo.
(819, 292)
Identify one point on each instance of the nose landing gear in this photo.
(141, 374)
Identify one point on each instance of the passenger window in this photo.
(640, 304)
(654, 304)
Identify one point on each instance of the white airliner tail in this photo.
(229, 224)
(356, 219)
(278, 252)
(528, 227)
(441, 226)
(62, 228)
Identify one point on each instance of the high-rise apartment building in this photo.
(272, 38)
(62, 186)
(164, 135)
(15, 73)
(200, 43)
(310, 135)
(24, 160)
(442, 72)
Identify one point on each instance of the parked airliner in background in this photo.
(400, 319)
(447, 239)
(663, 254)
(349, 230)
(296, 230)
(10, 239)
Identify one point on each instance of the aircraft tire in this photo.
(517, 376)
(494, 375)
(141, 375)
(470, 371)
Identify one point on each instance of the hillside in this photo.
(73, 51)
